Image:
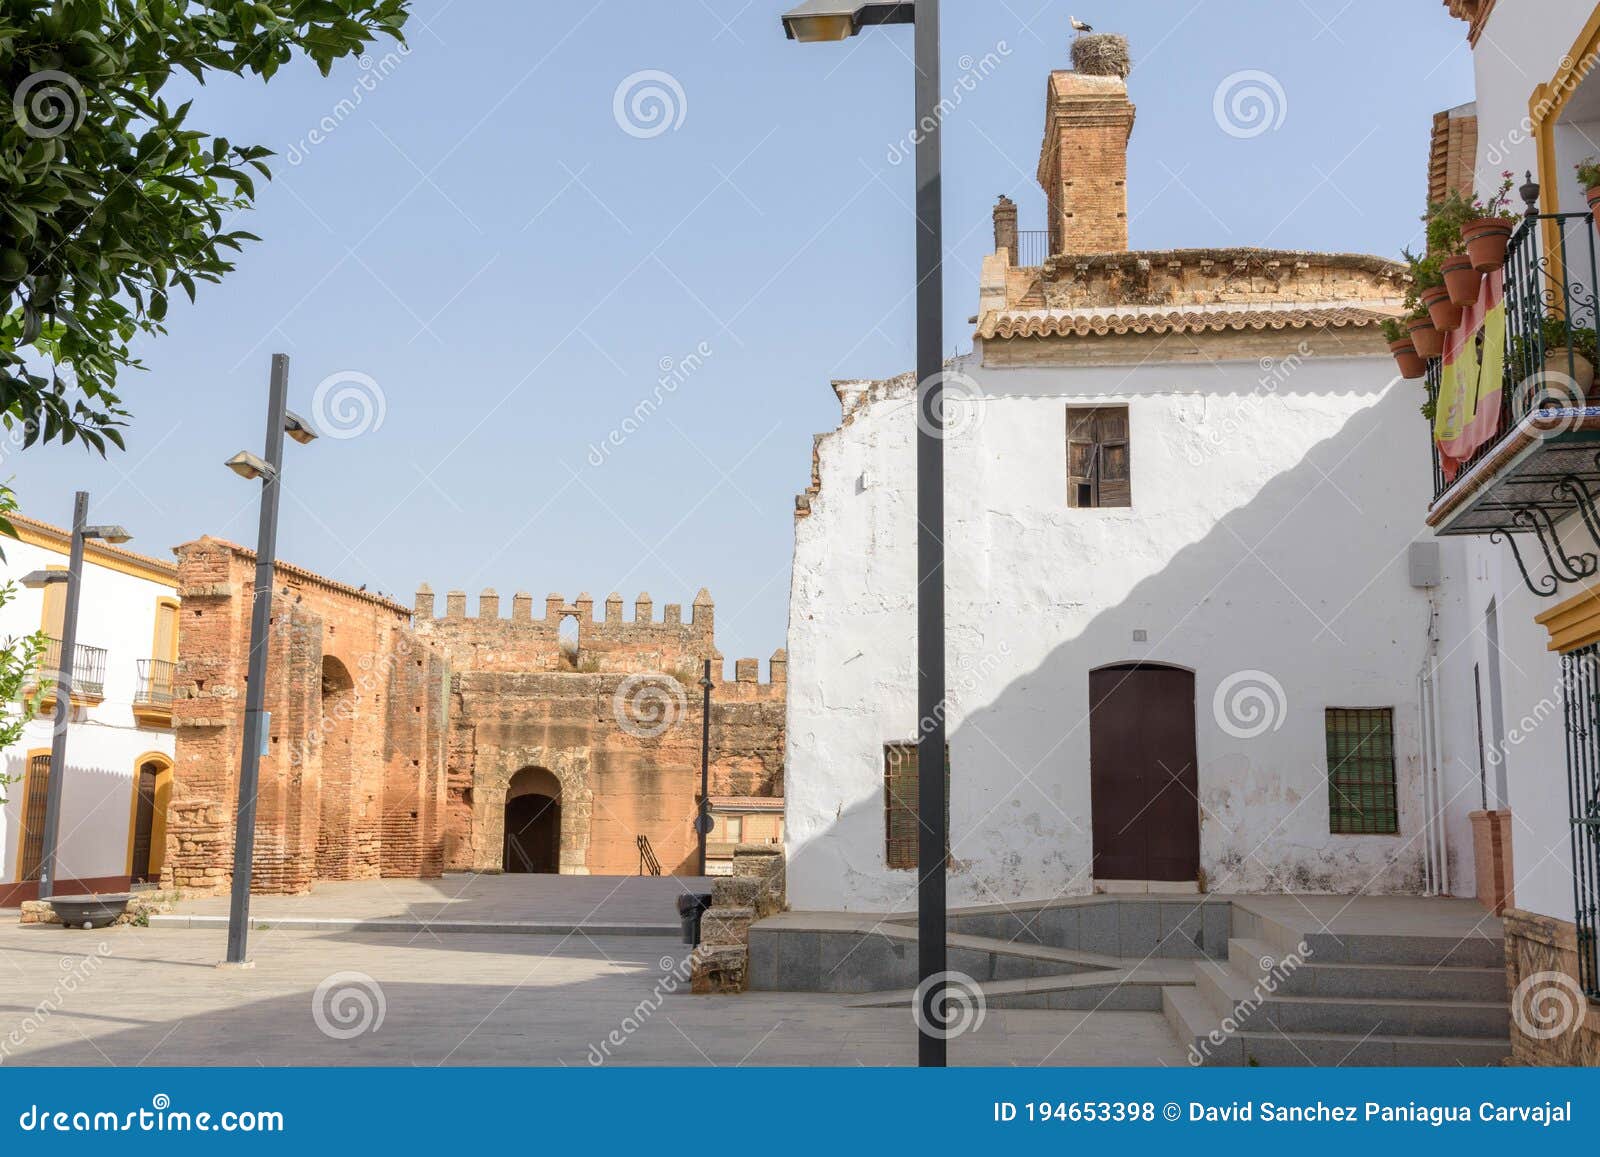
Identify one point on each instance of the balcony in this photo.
(88, 674)
(152, 696)
(1539, 464)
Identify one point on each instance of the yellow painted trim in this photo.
(22, 812)
(155, 628)
(159, 821)
(98, 553)
(1545, 105)
(1573, 623)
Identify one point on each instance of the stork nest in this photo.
(1102, 54)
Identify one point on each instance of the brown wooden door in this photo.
(144, 821)
(1143, 776)
(34, 807)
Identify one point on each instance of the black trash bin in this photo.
(692, 906)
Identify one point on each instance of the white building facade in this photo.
(117, 781)
(1190, 605)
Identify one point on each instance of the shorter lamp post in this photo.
(269, 470)
(703, 822)
(68, 643)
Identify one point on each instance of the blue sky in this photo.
(510, 269)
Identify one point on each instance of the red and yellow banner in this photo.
(1468, 411)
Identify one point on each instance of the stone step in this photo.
(1312, 977)
(1194, 1021)
(1135, 987)
(1483, 949)
(407, 924)
(1236, 997)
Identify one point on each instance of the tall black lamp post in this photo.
(68, 643)
(824, 20)
(280, 421)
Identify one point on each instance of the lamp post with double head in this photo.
(63, 674)
(269, 470)
(825, 20)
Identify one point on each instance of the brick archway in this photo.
(532, 839)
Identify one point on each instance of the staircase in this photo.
(1288, 997)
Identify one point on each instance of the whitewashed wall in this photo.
(104, 742)
(1269, 532)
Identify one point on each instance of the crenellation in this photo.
(489, 605)
(455, 605)
(424, 605)
(672, 615)
(522, 607)
(613, 608)
(747, 670)
(643, 609)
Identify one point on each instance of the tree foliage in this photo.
(110, 200)
(19, 660)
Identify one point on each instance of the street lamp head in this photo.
(37, 580)
(115, 535)
(818, 21)
(298, 428)
(248, 465)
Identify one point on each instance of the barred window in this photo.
(1361, 785)
(900, 803)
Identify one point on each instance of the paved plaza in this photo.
(133, 996)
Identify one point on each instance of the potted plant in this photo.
(1405, 354)
(1428, 292)
(1425, 337)
(1589, 178)
(1569, 352)
(1445, 219)
(1486, 234)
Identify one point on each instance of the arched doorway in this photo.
(1144, 776)
(336, 837)
(533, 822)
(147, 833)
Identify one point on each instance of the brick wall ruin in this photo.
(606, 722)
(352, 781)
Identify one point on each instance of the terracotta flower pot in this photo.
(1427, 340)
(1405, 356)
(1563, 362)
(1445, 313)
(1461, 280)
(1486, 239)
(1594, 202)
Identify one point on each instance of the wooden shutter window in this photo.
(900, 804)
(1361, 779)
(1099, 468)
(165, 647)
(55, 607)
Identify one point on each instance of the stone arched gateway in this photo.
(532, 840)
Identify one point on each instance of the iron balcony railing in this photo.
(1581, 678)
(88, 667)
(1033, 247)
(155, 683)
(1551, 272)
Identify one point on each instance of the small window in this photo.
(900, 803)
(1361, 787)
(1098, 468)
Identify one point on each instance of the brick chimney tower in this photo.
(1083, 163)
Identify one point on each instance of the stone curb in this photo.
(401, 924)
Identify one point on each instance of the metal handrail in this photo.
(155, 683)
(1550, 299)
(1033, 248)
(648, 864)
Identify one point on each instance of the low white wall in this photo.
(1269, 532)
